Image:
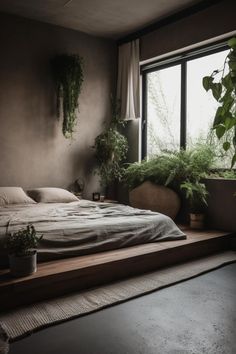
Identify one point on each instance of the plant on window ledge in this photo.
(224, 92)
(172, 168)
(111, 149)
(68, 76)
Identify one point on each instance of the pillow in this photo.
(52, 195)
(14, 195)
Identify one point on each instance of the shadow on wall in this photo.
(131, 131)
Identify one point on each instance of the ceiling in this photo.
(105, 18)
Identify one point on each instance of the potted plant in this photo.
(222, 184)
(196, 194)
(111, 149)
(168, 169)
(21, 247)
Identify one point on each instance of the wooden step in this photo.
(63, 276)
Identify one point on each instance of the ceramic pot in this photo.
(156, 198)
(23, 266)
(197, 221)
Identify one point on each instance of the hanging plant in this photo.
(224, 92)
(68, 76)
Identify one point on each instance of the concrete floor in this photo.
(197, 317)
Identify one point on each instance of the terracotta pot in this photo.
(197, 221)
(154, 197)
(23, 266)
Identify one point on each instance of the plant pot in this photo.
(23, 266)
(197, 221)
(156, 198)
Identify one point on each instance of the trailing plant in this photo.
(196, 194)
(68, 76)
(23, 242)
(172, 168)
(224, 92)
(111, 149)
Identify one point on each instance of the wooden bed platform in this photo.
(62, 276)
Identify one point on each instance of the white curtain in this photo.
(128, 84)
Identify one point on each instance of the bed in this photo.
(83, 227)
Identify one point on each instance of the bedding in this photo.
(84, 227)
(52, 195)
(14, 195)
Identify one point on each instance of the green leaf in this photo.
(207, 82)
(227, 82)
(234, 140)
(218, 117)
(232, 43)
(228, 102)
(233, 161)
(220, 130)
(232, 64)
(230, 122)
(216, 90)
(226, 145)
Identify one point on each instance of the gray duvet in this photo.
(84, 227)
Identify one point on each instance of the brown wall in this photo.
(33, 151)
(211, 22)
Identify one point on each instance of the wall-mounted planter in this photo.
(221, 211)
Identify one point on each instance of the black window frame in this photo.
(181, 59)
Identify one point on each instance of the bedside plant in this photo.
(196, 194)
(21, 247)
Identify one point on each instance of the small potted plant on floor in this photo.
(196, 194)
(21, 247)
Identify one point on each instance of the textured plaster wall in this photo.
(33, 151)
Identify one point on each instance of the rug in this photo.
(25, 320)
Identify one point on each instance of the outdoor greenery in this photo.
(23, 242)
(111, 149)
(68, 76)
(197, 194)
(172, 168)
(224, 92)
(227, 174)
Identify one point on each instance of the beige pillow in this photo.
(14, 195)
(52, 195)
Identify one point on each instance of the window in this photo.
(163, 109)
(177, 111)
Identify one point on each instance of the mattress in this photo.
(85, 227)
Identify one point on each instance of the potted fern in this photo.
(196, 194)
(21, 247)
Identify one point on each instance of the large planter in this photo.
(23, 266)
(156, 198)
(221, 211)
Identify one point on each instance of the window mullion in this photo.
(183, 105)
(144, 116)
